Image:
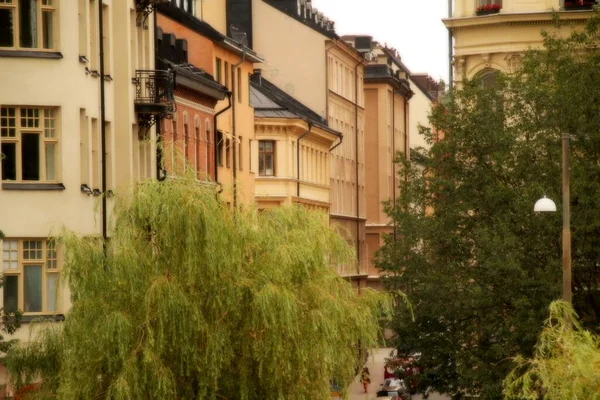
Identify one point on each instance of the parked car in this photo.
(394, 389)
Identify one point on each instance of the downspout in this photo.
(216, 147)
(394, 155)
(233, 127)
(161, 172)
(102, 123)
(298, 156)
(406, 142)
(358, 255)
(450, 49)
(340, 142)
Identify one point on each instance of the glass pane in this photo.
(7, 29)
(30, 117)
(33, 288)
(50, 161)
(28, 23)
(51, 286)
(9, 161)
(11, 293)
(30, 156)
(10, 255)
(48, 29)
(8, 121)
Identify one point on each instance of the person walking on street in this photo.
(365, 378)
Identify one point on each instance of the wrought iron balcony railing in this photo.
(154, 97)
(154, 92)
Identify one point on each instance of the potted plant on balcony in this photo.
(579, 4)
(488, 9)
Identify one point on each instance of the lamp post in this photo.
(546, 205)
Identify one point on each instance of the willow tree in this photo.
(192, 301)
(565, 365)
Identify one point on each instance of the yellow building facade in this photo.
(496, 41)
(294, 146)
(52, 136)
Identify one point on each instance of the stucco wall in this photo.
(294, 54)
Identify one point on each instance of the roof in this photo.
(271, 102)
(426, 84)
(307, 15)
(204, 82)
(375, 73)
(206, 30)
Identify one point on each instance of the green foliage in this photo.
(192, 301)
(566, 363)
(479, 267)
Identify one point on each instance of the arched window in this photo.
(197, 135)
(488, 78)
(173, 140)
(186, 139)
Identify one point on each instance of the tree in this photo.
(566, 362)
(192, 301)
(478, 266)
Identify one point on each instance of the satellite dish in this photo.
(238, 34)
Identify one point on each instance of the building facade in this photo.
(387, 95)
(494, 40)
(76, 126)
(294, 145)
(231, 129)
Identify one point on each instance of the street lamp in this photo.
(546, 205)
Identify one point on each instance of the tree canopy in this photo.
(479, 267)
(193, 301)
(565, 365)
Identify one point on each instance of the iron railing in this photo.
(154, 91)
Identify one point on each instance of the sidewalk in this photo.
(375, 363)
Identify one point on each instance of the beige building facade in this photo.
(294, 145)
(53, 138)
(496, 41)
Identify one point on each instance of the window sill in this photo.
(32, 186)
(25, 319)
(31, 54)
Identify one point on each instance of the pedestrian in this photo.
(365, 378)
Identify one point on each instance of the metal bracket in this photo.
(144, 8)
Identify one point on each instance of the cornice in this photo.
(518, 19)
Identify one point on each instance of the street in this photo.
(375, 364)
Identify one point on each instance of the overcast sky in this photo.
(413, 27)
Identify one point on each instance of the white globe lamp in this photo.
(544, 205)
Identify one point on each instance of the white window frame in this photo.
(42, 6)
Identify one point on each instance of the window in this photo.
(29, 141)
(226, 74)
(27, 24)
(240, 142)
(488, 2)
(186, 140)
(219, 140)
(266, 157)
(227, 153)
(239, 86)
(489, 79)
(218, 76)
(197, 134)
(30, 275)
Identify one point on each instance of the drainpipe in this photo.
(161, 172)
(406, 142)
(358, 255)
(102, 123)
(233, 127)
(340, 142)
(450, 49)
(394, 155)
(216, 147)
(298, 156)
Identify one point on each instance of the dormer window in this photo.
(185, 5)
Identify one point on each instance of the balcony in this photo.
(154, 96)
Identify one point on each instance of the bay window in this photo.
(27, 24)
(31, 272)
(28, 143)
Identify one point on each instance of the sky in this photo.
(413, 27)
